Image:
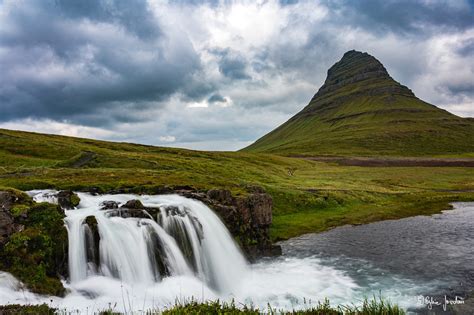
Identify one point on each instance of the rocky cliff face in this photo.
(248, 218)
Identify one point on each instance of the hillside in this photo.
(360, 110)
(308, 195)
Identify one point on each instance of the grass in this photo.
(308, 196)
(369, 307)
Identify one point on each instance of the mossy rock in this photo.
(68, 200)
(19, 196)
(37, 255)
(19, 210)
(133, 204)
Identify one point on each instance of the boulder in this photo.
(67, 199)
(109, 204)
(133, 204)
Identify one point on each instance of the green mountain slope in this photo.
(361, 110)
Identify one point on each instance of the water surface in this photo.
(421, 255)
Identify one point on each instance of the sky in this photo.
(214, 75)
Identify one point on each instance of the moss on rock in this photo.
(37, 255)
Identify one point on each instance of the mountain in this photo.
(361, 110)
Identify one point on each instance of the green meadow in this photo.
(308, 196)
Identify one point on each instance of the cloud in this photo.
(65, 60)
(216, 98)
(233, 67)
(214, 74)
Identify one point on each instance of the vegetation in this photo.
(15, 309)
(314, 196)
(374, 306)
(37, 254)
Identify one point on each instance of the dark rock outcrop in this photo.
(353, 69)
(248, 218)
(109, 204)
(8, 226)
(133, 204)
(92, 241)
(67, 199)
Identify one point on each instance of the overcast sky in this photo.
(214, 75)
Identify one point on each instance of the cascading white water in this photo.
(186, 237)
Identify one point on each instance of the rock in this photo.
(255, 189)
(92, 241)
(247, 218)
(7, 221)
(260, 206)
(133, 204)
(6, 200)
(7, 226)
(109, 204)
(129, 213)
(221, 195)
(67, 199)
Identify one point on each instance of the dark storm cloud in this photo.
(70, 59)
(232, 65)
(467, 48)
(406, 16)
(216, 98)
(134, 15)
(464, 88)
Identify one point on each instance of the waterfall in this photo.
(183, 237)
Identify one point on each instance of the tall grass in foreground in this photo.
(369, 307)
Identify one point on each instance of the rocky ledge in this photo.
(248, 218)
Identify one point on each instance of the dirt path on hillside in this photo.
(393, 161)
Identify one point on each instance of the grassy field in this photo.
(309, 196)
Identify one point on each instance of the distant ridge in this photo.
(361, 110)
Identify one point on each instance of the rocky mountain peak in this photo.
(358, 71)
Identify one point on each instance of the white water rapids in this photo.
(183, 253)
